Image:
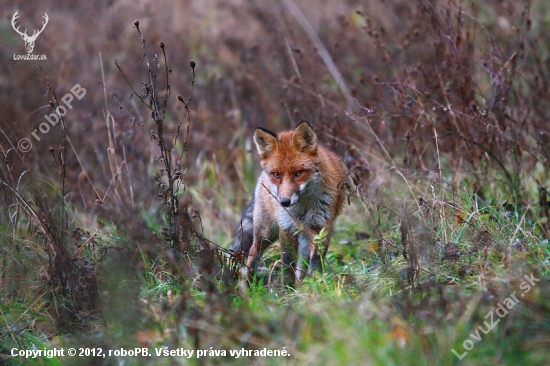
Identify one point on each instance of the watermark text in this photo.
(78, 92)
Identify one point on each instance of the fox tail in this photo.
(245, 231)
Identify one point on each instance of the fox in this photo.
(299, 192)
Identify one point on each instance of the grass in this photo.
(114, 226)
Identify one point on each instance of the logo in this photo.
(29, 40)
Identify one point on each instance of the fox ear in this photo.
(266, 142)
(304, 138)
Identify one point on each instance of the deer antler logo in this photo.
(29, 40)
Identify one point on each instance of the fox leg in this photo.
(263, 236)
(311, 251)
(314, 259)
(304, 241)
(245, 231)
(256, 248)
(289, 248)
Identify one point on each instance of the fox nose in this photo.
(285, 202)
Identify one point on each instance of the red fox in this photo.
(298, 193)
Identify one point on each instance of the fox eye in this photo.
(298, 173)
(276, 175)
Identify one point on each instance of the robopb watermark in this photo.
(25, 144)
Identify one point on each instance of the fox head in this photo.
(290, 161)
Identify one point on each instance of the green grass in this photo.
(361, 310)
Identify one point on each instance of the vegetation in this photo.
(114, 224)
